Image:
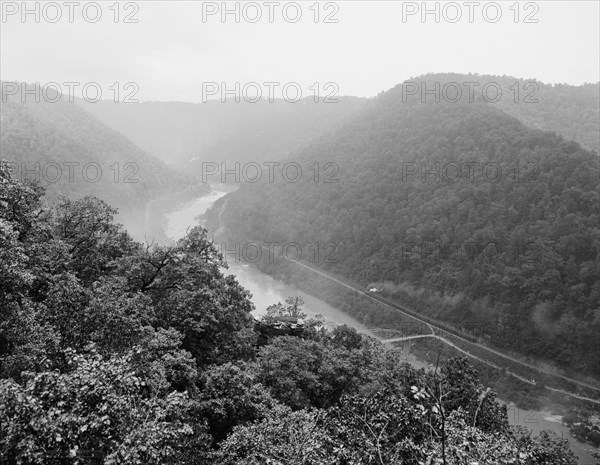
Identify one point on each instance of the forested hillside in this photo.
(494, 225)
(116, 352)
(571, 111)
(71, 152)
(224, 132)
(216, 132)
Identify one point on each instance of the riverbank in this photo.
(268, 285)
(148, 223)
(423, 353)
(187, 214)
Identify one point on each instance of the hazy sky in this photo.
(171, 50)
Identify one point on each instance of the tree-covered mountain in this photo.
(218, 132)
(571, 111)
(71, 152)
(227, 132)
(116, 352)
(493, 225)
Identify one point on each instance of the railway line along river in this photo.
(266, 290)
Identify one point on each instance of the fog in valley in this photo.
(319, 232)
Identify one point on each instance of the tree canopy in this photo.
(117, 352)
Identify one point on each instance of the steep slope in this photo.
(571, 111)
(492, 225)
(112, 351)
(224, 132)
(217, 132)
(72, 152)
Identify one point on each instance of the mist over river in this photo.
(266, 291)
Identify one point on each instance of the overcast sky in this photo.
(171, 50)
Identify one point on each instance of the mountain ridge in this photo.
(547, 218)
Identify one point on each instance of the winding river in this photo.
(266, 290)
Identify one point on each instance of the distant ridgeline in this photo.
(492, 222)
(71, 152)
(217, 132)
(571, 111)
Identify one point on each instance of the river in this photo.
(266, 290)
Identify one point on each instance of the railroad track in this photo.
(411, 314)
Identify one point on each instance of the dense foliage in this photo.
(570, 111)
(509, 251)
(117, 352)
